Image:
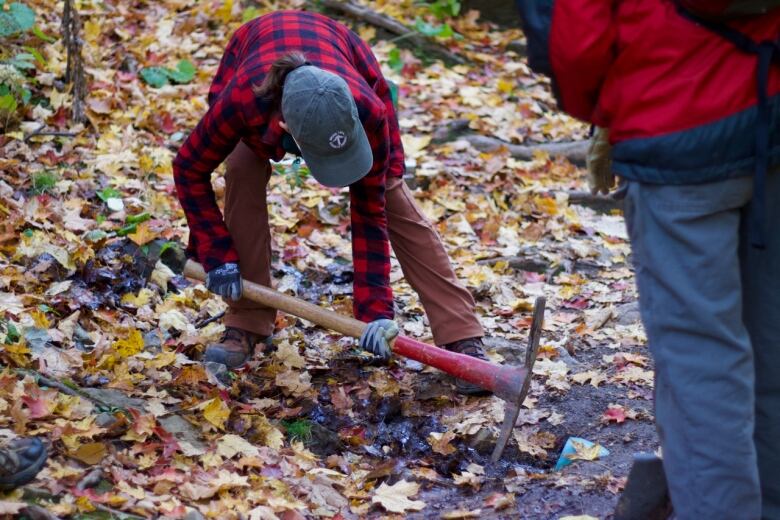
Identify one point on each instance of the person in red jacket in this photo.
(290, 81)
(690, 97)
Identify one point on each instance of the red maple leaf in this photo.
(616, 414)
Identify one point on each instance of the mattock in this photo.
(510, 383)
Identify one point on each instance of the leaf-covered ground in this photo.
(137, 425)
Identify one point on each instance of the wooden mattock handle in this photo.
(289, 304)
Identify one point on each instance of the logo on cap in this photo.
(338, 140)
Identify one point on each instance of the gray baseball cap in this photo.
(321, 114)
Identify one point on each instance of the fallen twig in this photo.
(65, 388)
(35, 493)
(205, 322)
(521, 263)
(55, 133)
(575, 151)
(392, 25)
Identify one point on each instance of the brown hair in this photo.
(273, 83)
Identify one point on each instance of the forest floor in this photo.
(138, 427)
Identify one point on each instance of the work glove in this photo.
(225, 281)
(377, 337)
(599, 162)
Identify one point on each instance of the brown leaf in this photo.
(440, 442)
(90, 453)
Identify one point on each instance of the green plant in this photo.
(109, 193)
(159, 76)
(442, 9)
(394, 60)
(13, 94)
(250, 13)
(295, 174)
(131, 223)
(43, 181)
(298, 430)
(12, 334)
(15, 17)
(23, 61)
(437, 31)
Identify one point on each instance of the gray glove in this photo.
(377, 337)
(225, 281)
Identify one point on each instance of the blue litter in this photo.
(569, 449)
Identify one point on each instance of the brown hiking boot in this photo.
(235, 348)
(471, 347)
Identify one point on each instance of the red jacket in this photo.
(679, 100)
(236, 114)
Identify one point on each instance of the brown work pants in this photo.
(424, 262)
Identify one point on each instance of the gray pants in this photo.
(711, 307)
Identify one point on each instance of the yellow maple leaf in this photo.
(142, 298)
(583, 452)
(131, 345)
(40, 319)
(225, 11)
(17, 352)
(162, 360)
(505, 86)
(143, 233)
(84, 504)
(216, 412)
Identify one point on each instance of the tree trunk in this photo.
(74, 72)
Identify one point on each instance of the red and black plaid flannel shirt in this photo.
(237, 114)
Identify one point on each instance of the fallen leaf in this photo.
(289, 356)
(231, 445)
(395, 498)
(216, 412)
(440, 442)
(293, 382)
(90, 453)
(584, 452)
(594, 376)
(10, 507)
(130, 345)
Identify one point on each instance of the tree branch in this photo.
(392, 25)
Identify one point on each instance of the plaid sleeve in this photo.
(366, 64)
(373, 298)
(207, 146)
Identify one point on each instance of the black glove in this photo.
(225, 281)
(377, 337)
